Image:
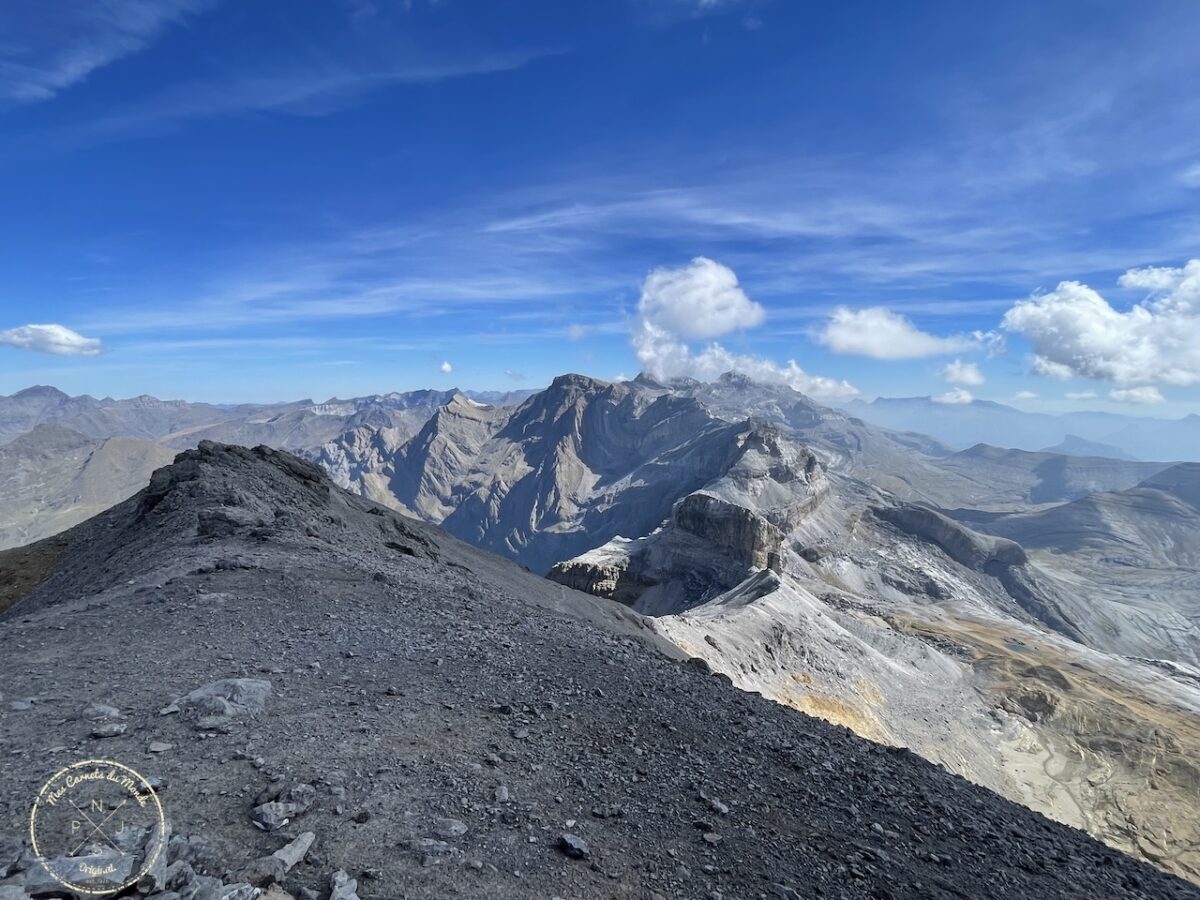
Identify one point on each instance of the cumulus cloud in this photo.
(1154, 279)
(1075, 332)
(879, 333)
(703, 300)
(1025, 395)
(958, 395)
(56, 339)
(959, 372)
(700, 300)
(446, 368)
(1146, 394)
(1082, 395)
(1051, 369)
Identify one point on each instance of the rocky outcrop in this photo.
(735, 530)
(601, 574)
(1002, 559)
(714, 537)
(966, 547)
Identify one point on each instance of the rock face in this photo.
(733, 528)
(399, 703)
(570, 468)
(715, 537)
(359, 457)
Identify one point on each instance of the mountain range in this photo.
(349, 703)
(960, 425)
(1025, 618)
(59, 470)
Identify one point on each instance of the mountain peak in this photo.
(646, 380)
(737, 379)
(41, 391)
(1182, 480)
(220, 469)
(573, 380)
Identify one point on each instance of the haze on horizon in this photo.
(246, 202)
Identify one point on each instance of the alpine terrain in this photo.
(337, 701)
(1028, 620)
(63, 459)
(1000, 612)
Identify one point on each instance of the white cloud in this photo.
(958, 395)
(1025, 395)
(1051, 369)
(576, 332)
(1145, 394)
(1082, 395)
(56, 339)
(1191, 176)
(700, 300)
(703, 300)
(879, 333)
(959, 372)
(1154, 279)
(1075, 332)
(446, 368)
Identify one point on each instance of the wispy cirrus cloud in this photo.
(47, 48)
(303, 91)
(309, 90)
(434, 270)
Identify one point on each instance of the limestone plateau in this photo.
(338, 701)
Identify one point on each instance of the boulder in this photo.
(342, 886)
(228, 697)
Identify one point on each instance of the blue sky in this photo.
(254, 200)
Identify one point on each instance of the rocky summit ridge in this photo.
(336, 701)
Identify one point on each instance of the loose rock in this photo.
(573, 846)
